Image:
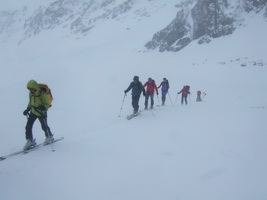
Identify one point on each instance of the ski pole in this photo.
(122, 104)
(176, 98)
(190, 98)
(152, 112)
(170, 98)
(158, 100)
(204, 94)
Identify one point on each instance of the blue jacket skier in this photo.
(164, 89)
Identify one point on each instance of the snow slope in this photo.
(15, 5)
(210, 150)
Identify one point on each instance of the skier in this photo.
(199, 96)
(151, 87)
(164, 89)
(185, 91)
(137, 87)
(37, 107)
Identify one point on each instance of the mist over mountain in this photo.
(88, 51)
(201, 20)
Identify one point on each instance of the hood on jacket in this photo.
(136, 78)
(33, 84)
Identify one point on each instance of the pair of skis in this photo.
(129, 117)
(28, 150)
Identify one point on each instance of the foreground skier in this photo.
(37, 106)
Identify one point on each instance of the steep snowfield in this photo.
(209, 150)
(31, 4)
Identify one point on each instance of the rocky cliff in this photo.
(204, 20)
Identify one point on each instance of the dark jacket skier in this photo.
(137, 88)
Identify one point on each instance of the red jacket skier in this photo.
(151, 87)
(185, 91)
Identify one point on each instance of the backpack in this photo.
(165, 86)
(168, 85)
(47, 90)
(187, 89)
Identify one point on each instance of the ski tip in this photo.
(2, 158)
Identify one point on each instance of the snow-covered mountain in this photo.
(204, 20)
(88, 53)
(200, 20)
(75, 16)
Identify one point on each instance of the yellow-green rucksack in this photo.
(47, 90)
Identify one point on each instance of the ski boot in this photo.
(134, 113)
(48, 140)
(29, 144)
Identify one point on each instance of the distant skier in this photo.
(137, 88)
(37, 107)
(185, 91)
(151, 87)
(198, 96)
(164, 90)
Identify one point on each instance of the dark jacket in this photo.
(137, 88)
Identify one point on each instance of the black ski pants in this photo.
(151, 96)
(135, 102)
(30, 122)
(184, 98)
(163, 98)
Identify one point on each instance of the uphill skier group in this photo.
(40, 99)
(151, 88)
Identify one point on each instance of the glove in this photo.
(26, 111)
(41, 107)
(157, 93)
(125, 91)
(144, 93)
